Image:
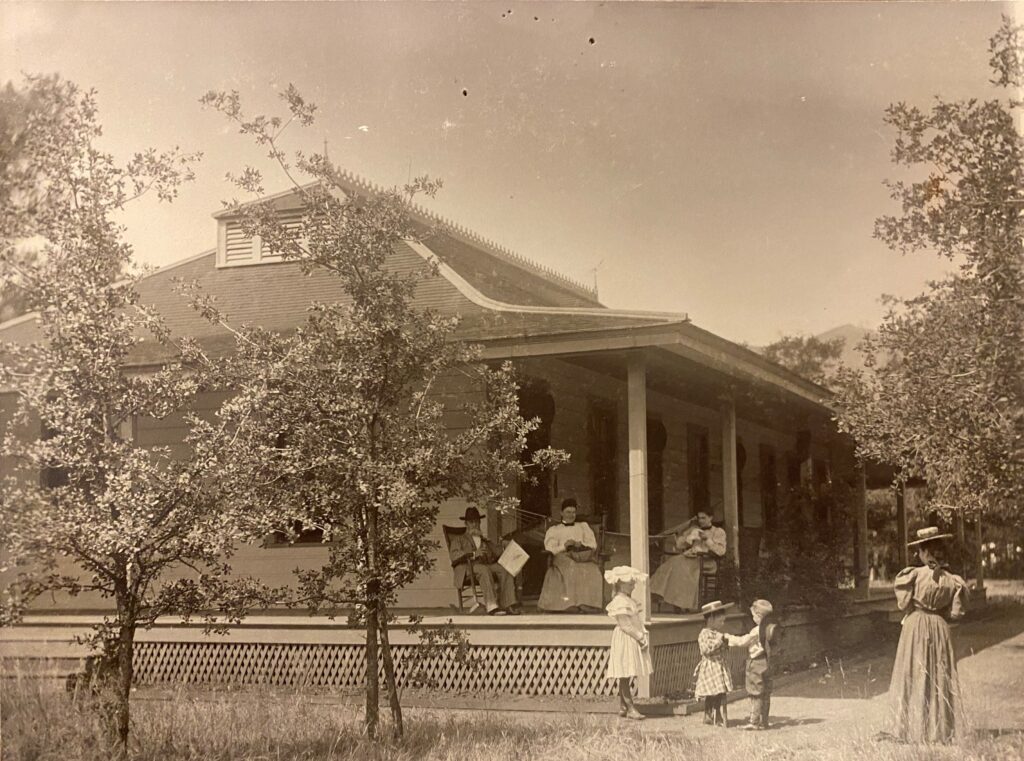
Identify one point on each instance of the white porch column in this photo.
(639, 554)
(730, 496)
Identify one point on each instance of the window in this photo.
(698, 468)
(51, 478)
(769, 486)
(602, 455)
(657, 437)
(302, 535)
(535, 401)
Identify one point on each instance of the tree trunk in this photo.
(389, 673)
(372, 623)
(123, 683)
(372, 680)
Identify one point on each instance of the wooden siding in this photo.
(573, 387)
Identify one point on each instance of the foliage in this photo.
(803, 561)
(15, 106)
(948, 406)
(344, 426)
(811, 357)
(86, 509)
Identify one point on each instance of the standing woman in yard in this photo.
(630, 654)
(925, 691)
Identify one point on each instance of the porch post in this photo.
(862, 567)
(901, 529)
(730, 496)
(639, 555)
(979, 582)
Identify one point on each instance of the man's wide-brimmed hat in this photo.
(624, 573)
(472, 514)
(714, 607)
(930, 534)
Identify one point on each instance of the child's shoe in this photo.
(634, 714)
(749, 727)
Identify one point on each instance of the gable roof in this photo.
(493, 269)
(503, 302)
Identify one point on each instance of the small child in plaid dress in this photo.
(712, 673)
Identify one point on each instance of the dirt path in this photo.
(835, 711)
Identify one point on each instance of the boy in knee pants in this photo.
(758, 642)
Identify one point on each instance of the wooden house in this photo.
(661, 419)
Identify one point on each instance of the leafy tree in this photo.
(107, 516)
(15, 106)
(808, 356)
(949, 403)
(344, 426)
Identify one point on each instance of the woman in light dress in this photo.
(925, 692)
(630, 654)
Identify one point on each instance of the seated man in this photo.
(473, 548)
(573, 582)
(677, 580)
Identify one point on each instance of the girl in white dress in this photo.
(630, 651)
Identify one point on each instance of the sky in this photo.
(725, 160)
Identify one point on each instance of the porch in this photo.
(532, 654)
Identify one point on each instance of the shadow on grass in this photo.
(778, 722)
(991, 733)
(866, 674)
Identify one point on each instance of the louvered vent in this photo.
(237, 248)
(292, 222)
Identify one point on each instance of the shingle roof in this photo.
(497, 294)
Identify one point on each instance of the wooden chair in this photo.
(469, 581)
(707, 589)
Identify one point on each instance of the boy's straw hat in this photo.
(714, 607)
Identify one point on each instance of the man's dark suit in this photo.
(485, 569)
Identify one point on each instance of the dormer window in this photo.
(234, 249)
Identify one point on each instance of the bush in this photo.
(804, 557)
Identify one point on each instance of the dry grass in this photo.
(40, 722)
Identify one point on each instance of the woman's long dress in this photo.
(925, 692)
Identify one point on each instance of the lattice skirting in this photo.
(524, 670)
(511, 669)
(674, 666)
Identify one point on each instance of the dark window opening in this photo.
(603, 460)
(698, 468)
(302, 535)
(741, 463)
(769, 486)
(536, 401)
(657, 437)
(51, 478)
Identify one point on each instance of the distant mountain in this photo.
(853, 336)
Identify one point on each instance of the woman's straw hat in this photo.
(930, 534)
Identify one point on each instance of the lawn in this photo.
(40, 722)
